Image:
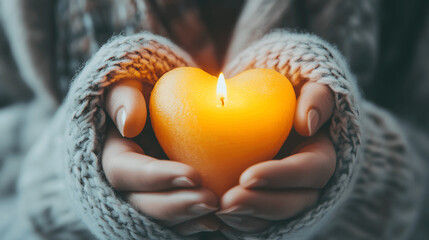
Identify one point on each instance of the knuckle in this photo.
(312, 198)
(169, 213)
(323, 96)
(322, 184)
(187, 170)
(322, 181)
(206, 196)
(328, 98)
(234, 196)
(112, 173)
(114, 177)
(327, 169)
(321, 89)
(150, 167)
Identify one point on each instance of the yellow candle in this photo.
(222, 127)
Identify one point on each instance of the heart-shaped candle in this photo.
(222, 127)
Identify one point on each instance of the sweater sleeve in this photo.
(375, 190)
(69, 198)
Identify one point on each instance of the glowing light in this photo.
(221, 89)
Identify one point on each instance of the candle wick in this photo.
(222, 99)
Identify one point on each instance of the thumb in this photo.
(126, 106)
(314, 107)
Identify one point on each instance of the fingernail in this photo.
(313, 121)
(231, 219)
(239, 209)
(121, 117)
(183, 182)
(255, 183)
(201, 208)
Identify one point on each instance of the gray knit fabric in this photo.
(302, 58)
(52, 185)
(145, 57)
(390, 166)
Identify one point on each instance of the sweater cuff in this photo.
(302, 58)
(144, 57)
(387, 192)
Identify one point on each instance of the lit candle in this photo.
(222, 127)
(221, 89)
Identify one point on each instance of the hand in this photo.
(167, 191)
(279, 189)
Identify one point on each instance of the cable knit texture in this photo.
(381, 194)
(301, 58)
(145, 57)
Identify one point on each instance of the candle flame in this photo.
(221, 89)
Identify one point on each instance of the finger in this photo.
(311, 167)
(267, 205)
(128, 169)
(177, 206)
(126, 106)
(314, 107)
(194, 226)
(244, 223)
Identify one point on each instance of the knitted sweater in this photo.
(52, 185)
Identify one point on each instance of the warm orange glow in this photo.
(221, 89)
(221, 141)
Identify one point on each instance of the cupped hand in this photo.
(170, 192)
(280, 189)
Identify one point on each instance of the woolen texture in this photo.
(297, 56)
(144, 57)
(52, 183)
